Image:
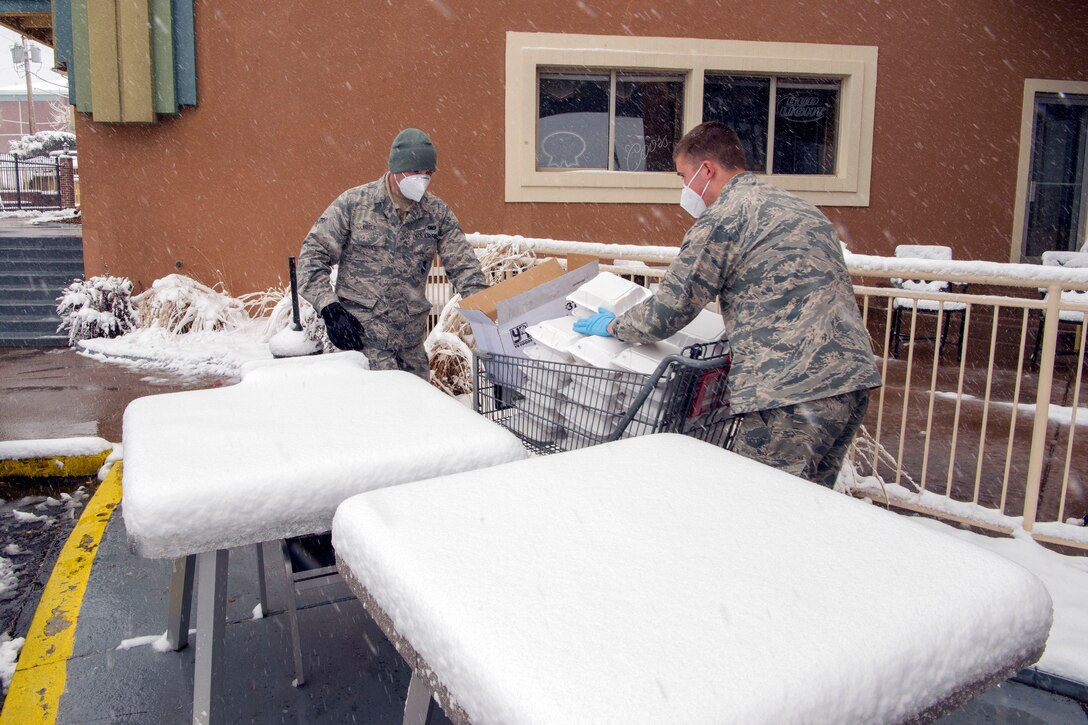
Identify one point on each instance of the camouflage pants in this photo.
(410, 359)
(808, 439)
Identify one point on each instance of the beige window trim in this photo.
(1032, 86)
(526, 52)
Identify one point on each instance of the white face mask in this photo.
(414, 186)
(691, 201)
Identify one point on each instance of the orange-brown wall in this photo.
(299, 101)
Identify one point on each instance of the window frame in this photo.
(692, 58)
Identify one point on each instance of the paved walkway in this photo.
(21, 227)
(57, 393)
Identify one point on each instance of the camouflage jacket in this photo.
(384, 262)
(776, 265)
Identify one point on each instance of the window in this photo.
(615, 121)
(801, 136)
(582, 109)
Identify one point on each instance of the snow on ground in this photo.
(9, 580)
(224, 353)
(158, 642)
(36, 216)
(9, 655)
(81, 446)
(1060, 414)
(208, 353)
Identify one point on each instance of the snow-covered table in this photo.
(662, 579)
(272, 457)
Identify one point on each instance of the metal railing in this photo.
(31, 184)
(974, 433)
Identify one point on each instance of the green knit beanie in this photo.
(412, 150)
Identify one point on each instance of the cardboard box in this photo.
(500, 314)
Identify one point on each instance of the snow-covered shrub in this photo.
(450, 344)
(179, 304)
(449, 349)
(451, 363)
(96, 307)
(262, 304)
(858, 469)
(41, 143)
(504, 258)
(309, 318)
(313, 326)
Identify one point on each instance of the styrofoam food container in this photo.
(610, 291)
(706, 327)
(556, 334)
(535, 429)
(536, 403)
(593, 393)
(546, 354)
(644, 359)
(545, 378)
(588, 422)
(597, 351)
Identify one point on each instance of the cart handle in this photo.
(655, 377)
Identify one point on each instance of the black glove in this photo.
(344, 330)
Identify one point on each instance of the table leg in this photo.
(418, 703)
(211, 622)
(262, 588)
(181, 599)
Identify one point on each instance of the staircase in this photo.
(33, 271)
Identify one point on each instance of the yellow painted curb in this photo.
(42, 669)
(54, 466)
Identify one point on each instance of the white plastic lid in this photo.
(597, 351)
(556, 334)
(706, 327)
(644, 359)
(546, 354)
(610, 291)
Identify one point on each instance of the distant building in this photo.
(14, 116)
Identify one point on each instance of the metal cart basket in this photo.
(556, 407)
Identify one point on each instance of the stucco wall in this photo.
(299, 101)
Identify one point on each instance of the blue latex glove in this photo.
(597, 324)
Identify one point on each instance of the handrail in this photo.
(859, 265)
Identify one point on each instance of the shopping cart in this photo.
(554, 406)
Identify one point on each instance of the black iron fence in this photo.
(29, 183)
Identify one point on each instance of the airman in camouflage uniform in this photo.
(802, 362)
(384, 244)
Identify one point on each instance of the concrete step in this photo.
(30, 325)
(52, 281)
(29, 293)
(27, 308)
(41, 242)
(44, 265)
(74, 254)
(20, 340)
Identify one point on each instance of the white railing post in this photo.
(1042, 404)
